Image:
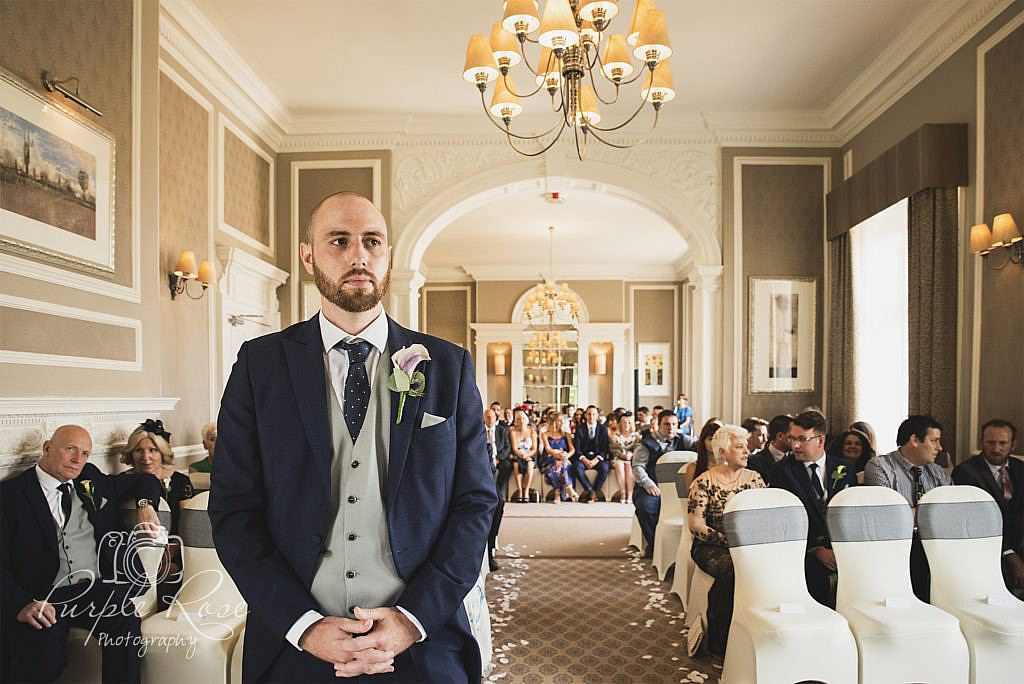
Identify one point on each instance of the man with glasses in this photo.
(912, 471)
(815, 478)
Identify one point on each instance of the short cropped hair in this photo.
(751, 423)
(166, 455)
(724, 435)
(917, 426)
(779, 423)
(312, 214)
(1000, 423)
(811, 420)
(667, 413)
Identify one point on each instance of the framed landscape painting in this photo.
(56, 181)
(781, 353)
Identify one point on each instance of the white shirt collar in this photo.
(820, 462)
(376, 333)
(776, 454)
(47, 481)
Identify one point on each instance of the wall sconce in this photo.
(601, 363)
(52, 84)
(185, 270)
(499, 363)
(1005, 234)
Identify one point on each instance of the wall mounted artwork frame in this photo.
(654, 359)
(782, 334)
(57, 181)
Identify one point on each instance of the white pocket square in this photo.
(430, 419)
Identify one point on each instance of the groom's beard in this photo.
(354, 300)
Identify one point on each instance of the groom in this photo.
(353, 516)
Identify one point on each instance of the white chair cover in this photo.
(961, 531)
(778, 632)
(207, 615)
(899, 638)
(683, 575)
(672, 518)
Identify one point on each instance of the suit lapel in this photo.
(984, 474)
(37, 502)
(401, 432)
(305, 358)
(803, 479)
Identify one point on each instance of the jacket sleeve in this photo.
(13, 595)
(436, 589)
(238, 512)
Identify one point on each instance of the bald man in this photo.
(59, 568)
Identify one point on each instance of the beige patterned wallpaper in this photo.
(246, 189)
(24, 331)
(93, 41)
(446, 314)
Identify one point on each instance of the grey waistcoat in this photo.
(76, 548)
(356, 567)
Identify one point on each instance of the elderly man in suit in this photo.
(499, 448)
(62, 553)
(353, 493)
(591, 441)
(815, 478)
(1003, 477)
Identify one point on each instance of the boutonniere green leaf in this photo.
(166, 483)
(839, 473)
(88, 491)
(405, 379)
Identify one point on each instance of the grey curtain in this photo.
(839, 393)
(931, 284)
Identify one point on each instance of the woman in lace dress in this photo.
(621, 448)
(523, 439)
(709, 493)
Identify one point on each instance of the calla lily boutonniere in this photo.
(405, 379)
(838, 474)
(166, 483)
(88, 491)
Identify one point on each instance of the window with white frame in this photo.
(881, 350)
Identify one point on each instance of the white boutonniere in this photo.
(405, 379)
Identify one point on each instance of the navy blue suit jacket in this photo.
(791, 474)
(270, 498)
(28, 533)
(585, 446)
(975, 471)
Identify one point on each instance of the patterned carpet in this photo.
(575, 621)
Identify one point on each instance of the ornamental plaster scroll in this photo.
(692, 171)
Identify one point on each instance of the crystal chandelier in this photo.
(550, 302)
(545, 348)
(575, 41)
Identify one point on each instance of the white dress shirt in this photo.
(337, 365)
(49, 484)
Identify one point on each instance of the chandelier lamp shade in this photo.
(571, 53)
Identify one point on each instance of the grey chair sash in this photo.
(195, 529)
(765, 526)
(959, 520)
(666, 472)
(870, 523)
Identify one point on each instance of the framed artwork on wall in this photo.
(56, 181)
(781, 339)
(655, 364)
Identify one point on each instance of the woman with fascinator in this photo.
(148, 450)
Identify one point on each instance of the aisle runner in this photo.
(576, 621)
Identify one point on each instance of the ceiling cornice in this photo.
(190, 39)
(612, 271)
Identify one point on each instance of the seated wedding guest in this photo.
(506, 416)
(558, 450)
(764, 460)
(709, 493)
(705, 453)
(867, 431)
(757, 428)
(647, 493)
(148, 450)
(1002, 476)
(621, 447)
(814, 477)
(591, 454)
(911, 470)
(611, 423)
(523, 440)
(643, 419)
(499, 452)
(852, 445)
(577, 419)
(209, 434)
(57, 522)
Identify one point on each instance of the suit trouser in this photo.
(103, 609)
(579, 473)
(920, 573)
(502, 476)
(648, 510)
(819, 581)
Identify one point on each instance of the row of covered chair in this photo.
(880, 632)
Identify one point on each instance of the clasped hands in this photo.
(367, 644)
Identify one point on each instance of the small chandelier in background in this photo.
(545, 348)
(575, 41)
(549, 301)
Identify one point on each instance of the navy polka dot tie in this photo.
(357, 384)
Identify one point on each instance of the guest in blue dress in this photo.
(558, 451)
